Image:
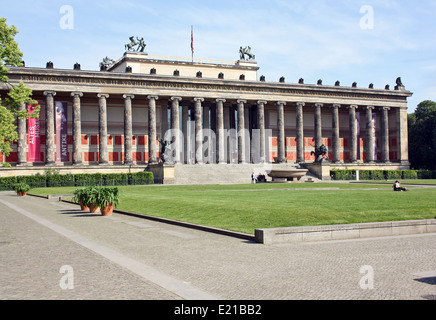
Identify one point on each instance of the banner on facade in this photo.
(61, 132)
(34, 133)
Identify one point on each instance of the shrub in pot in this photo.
(107, 198)
(86, 197)
(21, 188)
(81, 196)
(91, 199)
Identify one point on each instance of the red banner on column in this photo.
(61, 132)
(34, 132)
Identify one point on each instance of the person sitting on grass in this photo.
(397, 186)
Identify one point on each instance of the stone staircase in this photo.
(204, 174)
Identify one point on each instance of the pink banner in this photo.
(34, 132)
(61, 132)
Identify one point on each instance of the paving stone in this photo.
(31, 255)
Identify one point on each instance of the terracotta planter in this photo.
(83, 207)
(108, 210)
(21, 194)
(93, 208)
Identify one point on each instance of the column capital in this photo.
(335, 106)
(103, 95)
(221, 100)
(261, 102)
(353, 107)
(50, 93)
(76, 93)
(241, 101)
(300, 104)
(320, 105)
(198, 99)
(152, 97)
(385, 108)
(282, 103)
(369, 107)
(128, 96)
(176, 99)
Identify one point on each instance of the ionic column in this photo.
(402, 135)
(128, 131)
(220, 131)
(335, 133)
(185, 119)
(102, 129)
(152, 135)
(369, 126)
(50, 146)
(353, 133)
(261, 124)
(198, 131)
(22, 138)
(241, 131)
(300, 132)
(318, 125)
(175, 127)
(385, 134)
(281, 158)
(77, 128)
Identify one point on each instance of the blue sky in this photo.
(363, 41)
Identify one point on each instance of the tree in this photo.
(10, 55)
(422, 136)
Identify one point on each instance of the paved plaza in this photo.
(52, 250)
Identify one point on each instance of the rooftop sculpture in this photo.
(246, 52)
(133, 43)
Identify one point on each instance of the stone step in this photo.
(203, 174)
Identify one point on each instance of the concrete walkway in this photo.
(46, 245)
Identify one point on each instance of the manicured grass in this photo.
(244, 208)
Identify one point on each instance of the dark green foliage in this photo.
(383, 175)
(81, 179)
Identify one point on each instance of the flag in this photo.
(192, 40)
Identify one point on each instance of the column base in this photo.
(23, 164)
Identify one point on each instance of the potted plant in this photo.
(91, 199)
(81, 196)
(21, 188)
(107, 198)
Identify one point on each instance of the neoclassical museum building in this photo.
(217, 113)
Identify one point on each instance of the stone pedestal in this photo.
(163, 173)
(320, 169)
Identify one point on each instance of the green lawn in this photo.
(244, 208)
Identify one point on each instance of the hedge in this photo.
(383, 174)
(72, 180)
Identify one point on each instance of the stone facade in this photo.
(117, 117)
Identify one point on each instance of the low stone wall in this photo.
(343, 232)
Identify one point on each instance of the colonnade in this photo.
(198, 106)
